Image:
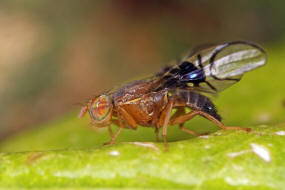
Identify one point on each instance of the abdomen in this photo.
(197, 101)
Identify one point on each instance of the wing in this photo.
(214, 68)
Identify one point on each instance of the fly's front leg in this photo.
(164, 120)
(115, 121)
(122, 115)
(110, 131)
(128, 118)
(95, 125)
(113, 137)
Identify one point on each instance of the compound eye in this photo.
(100, 107)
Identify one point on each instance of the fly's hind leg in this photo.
(181, 112)
(220, 124)
(183, 118)
(188, 130)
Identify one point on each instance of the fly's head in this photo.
(100, 110)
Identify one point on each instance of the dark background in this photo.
(56, 54)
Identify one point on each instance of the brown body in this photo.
(141, 106)
(136, 104)
(151, 102)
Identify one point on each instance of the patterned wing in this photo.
(213, 69)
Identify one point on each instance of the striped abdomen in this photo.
(199, 102)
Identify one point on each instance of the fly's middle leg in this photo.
(164, 121)
(156, 130)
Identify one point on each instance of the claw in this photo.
(109, 143)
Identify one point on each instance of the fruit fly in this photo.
(161, 100)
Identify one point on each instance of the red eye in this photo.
(101, 107)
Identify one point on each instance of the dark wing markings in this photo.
(213, 69)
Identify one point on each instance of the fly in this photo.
(150, 102)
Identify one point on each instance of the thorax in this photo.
(142, 104)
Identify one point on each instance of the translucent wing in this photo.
(215, 68)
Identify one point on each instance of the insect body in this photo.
(151, 101)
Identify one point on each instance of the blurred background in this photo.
(56, 54)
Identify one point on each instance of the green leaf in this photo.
(67, 153)
(221, 160)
